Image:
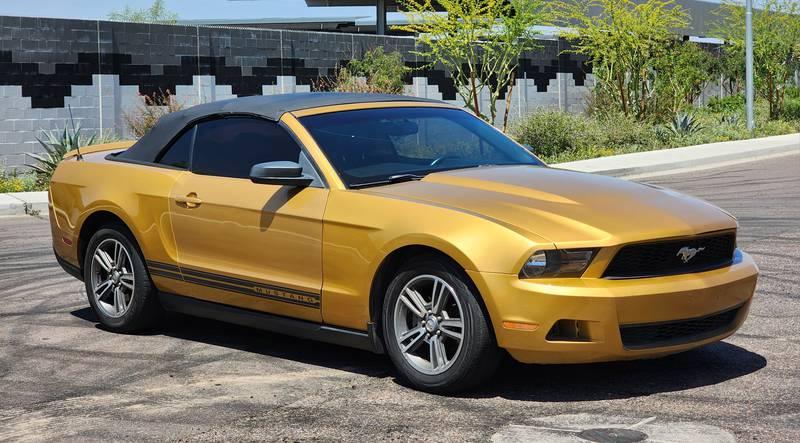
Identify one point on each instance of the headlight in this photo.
(557, 263)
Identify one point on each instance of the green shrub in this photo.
(376, 72)
(550, 133)
(384, 71)
(618, 132)
(559, 137)
(776, 127)
(726, 105)
(722, 133)
(791, 109)
(15, 182)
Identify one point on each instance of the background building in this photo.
(702, 12)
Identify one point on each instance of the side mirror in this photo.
(529, 148)
(280, 173)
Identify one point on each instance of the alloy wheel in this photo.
(112, 278)
(429, 324)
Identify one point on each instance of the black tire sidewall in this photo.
(135, 317)
(478, 349)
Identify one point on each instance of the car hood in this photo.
(570, 209)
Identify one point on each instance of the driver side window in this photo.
(229, 147)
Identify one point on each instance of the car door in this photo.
(255, 246)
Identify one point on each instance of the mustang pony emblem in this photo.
(686, 253)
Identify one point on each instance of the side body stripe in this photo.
(226, 283)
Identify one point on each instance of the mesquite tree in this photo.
(478, 41)
(682, 73)
(623, 40)
(776, 34)
(156, 13)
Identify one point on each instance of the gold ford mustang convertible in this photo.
(397, 225)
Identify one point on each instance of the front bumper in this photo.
(602, 306)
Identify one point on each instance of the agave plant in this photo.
(731, 119)
(684, 124)
(56, 145)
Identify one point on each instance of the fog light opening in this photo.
(569, 330)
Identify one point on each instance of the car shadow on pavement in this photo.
(265, 343)
(709, 365)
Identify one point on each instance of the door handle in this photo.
(190, 201)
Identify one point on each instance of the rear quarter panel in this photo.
(137, 194)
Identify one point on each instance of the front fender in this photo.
(361, 229)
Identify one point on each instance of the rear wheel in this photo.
(117, 283)
(436, 332)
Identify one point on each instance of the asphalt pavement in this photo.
(64, 378)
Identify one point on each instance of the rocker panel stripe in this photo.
(232, 284)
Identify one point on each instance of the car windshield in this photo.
(378, 146)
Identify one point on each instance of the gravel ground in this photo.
(64, 378)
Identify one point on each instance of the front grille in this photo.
(667, 257)
(677, 332)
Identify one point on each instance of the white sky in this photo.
(186, 9)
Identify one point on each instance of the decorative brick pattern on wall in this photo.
(99, 69)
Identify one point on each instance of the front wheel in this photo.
(435, 330)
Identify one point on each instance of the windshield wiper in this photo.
(398, 178)
(405, 178)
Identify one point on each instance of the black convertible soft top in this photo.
(270, 107)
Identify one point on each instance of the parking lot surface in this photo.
(63, 377)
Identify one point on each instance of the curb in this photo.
(648, 163)
(22, 203)
(666, 161)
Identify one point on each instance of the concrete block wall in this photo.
(100, 70)
(561, 93)
(21, 123)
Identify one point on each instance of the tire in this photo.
(465, 363)
(136, 306)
